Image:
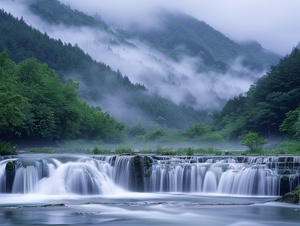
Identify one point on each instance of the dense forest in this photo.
(47, 86)
(35, 104)
(22, 41)
(270, 107)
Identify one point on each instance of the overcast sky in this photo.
(273, 23)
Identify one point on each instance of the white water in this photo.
(94, 191)
(85, 175)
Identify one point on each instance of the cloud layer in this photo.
(273, 23)
(177, 81)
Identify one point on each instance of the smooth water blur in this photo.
(146, 209)
(88, 190)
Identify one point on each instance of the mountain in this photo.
(99, 84)
(181, 58)
(271, 106)
(177, 71)
(179, 35)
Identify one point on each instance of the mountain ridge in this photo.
(22, 41)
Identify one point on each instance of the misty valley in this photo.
(155, 118)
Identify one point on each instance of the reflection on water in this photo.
(146, 209)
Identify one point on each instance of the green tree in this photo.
(11, 103)
(196, 131)
(35, 104)
(291, 124)
(253, 141)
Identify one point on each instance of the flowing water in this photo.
(147, 190)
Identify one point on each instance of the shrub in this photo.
(98, 151)
(6, 148)
(154, 135)
(124, 151)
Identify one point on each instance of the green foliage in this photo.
(98, 151)
(200, 132)
(154, 135)
(11, 103)
(7, 148)
(184, 151)
(287, 147)
(264, 107)
(122, 150)
(253, 141)
(35, 104)
(291, 124)
(22, 42)
(190, 152)
(136, 130)
(196, 131)
(55, 12)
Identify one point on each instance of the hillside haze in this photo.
(180, 59)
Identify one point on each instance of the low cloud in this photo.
(273, 23)
(177, 81)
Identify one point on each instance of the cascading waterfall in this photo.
(85, 175)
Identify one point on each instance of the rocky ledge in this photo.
(291, 197)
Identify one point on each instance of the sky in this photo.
(273, 23)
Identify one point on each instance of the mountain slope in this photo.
(180, 34)
(99, 84)
(183, 60)
(264, 107)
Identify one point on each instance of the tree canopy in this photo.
(269, 107)
(35, 104)
(22, 42)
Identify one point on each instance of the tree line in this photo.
(22, 42)
(270, 107)
(35, 104)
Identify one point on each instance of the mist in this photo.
(179, 82)
(273, 23)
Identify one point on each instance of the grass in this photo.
(168, 147)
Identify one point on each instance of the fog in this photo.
(273, 23)
(177, 81)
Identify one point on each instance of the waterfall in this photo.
(59, 175)
(109, 174)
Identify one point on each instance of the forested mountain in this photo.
(179, 35)
(99, 84)
(183, 59)
(270, 106)
(35, 105)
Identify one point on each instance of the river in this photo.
(98, 190)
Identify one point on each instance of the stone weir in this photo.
(106, 174)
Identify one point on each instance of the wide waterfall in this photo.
(71, 174)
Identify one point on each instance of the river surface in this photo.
(129, 208)
(102, 190)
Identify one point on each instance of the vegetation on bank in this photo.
(186, 149)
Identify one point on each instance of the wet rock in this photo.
(10, 171)
(54, 205)
(291, 197)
